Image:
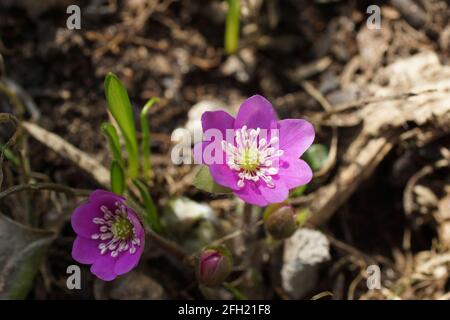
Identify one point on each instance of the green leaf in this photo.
(145, 145)
(204, 181)
(302, 216)
(297, 192)
(22, 250)
(120, 107)
(316, 156)
(232, 27)
(117, 178)
(9, 155)
(113, 139)
(151, 217)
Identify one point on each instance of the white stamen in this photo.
(252, 157)
(110, 241)
(106, 235)
(98, 221)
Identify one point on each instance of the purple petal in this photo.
(259, 194)
(108, 200)
(294, 172)
(220, 120)
(103, 267)
(82, 220)
(128, 261)
(210, 150)
(223, 175)
(85, 250)
(255, 112)
(251, 194)
(296, 136)
(274, 195)
(101, 193)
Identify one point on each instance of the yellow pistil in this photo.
(250, 161)
(122, 229)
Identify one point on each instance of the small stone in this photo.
(188, 210)
(242, 67)
(303, 254)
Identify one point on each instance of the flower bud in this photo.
(214, 266)
(280, 221)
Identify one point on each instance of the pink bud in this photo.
(214, 266)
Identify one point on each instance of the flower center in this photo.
(250, 161)
(122, 229)
(252, 156)
(116, 231)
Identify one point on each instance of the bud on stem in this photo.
(280, 221)
(214, 266)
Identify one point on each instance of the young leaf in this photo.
(145, 145)
(113, 138)
(232, 27)
(297, 192)
(117, 178)
(302, 216)
(151, 217)
(316, 156)
(9, 155)
(205, 182)
(120, 107)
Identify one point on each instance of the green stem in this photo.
(238, 295)
(6, 117)
(232, 27)
(167, 245)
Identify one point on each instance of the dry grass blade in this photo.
(84, 161)
(331, 160)
(408, 202)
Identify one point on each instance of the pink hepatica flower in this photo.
(259, 168)
(110, 235)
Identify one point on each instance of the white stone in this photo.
(303, 254)
(186, 209)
